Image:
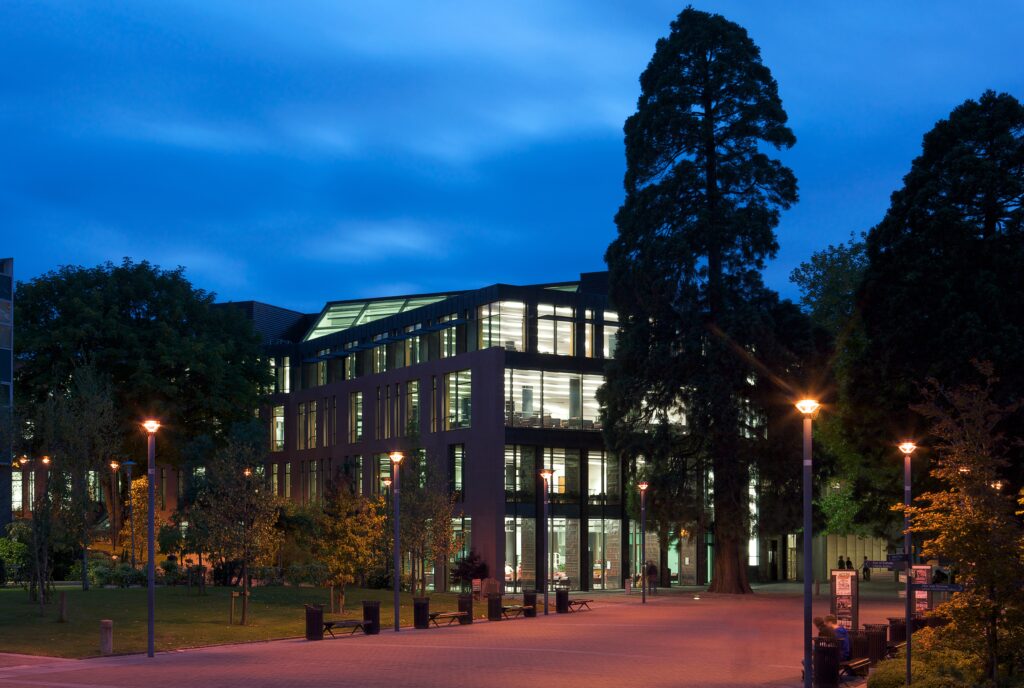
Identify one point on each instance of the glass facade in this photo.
(520, 473)
(611, 333)
(535, 399)
(503, 324)
(603, 473)
(555, 330)
(520, 554)
(277, 429)
(458, 461)
(355, 416)
(458, 403)
(565, 478)
(564, 551)
(605, 549)
(17, 492)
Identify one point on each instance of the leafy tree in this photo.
(78, 426)
(970, 521)
(702, 201)
(943, 270)
(828, 284)
(348, 537)
(235, 510)
(162, 345)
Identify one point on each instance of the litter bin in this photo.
(530, 602)
(494, 606)
(858, 644)
(876, 642)
(421, 612)
(826, 663)
(897, 629)
(314, 622)
(466, 605)
(371, 617)
(562, 600)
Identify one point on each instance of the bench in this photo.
(893, 648)
(354, 624)
(451, 617)
(513, 610)
(854, 667)
(577, 605)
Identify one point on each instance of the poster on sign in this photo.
(845, 597)
(922, 598)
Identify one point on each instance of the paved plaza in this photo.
(675, 640)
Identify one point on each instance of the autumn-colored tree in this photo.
(971, 521)
(134, 525)
(349, 535)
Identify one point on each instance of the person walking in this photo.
(849, 563)
(866, 570)
(652, 576)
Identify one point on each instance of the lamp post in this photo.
(545, 475)
(386, 482)
(115, 493)
(396, 462)
(151, 427)
(907, 448)
(642, 486)
(130, 465)
(809, 409)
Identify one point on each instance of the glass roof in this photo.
(346, 314)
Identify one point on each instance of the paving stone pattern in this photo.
(674, 640)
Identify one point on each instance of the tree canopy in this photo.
(162, 345)
(702, 201)
(939, 287)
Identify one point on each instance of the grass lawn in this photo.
(182, 619)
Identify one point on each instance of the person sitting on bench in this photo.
(841, 634)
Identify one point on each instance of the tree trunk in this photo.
(114, 512)
(245, 591)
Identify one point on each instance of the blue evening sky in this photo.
(297, 152)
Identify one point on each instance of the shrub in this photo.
(932, 668)
(16, 565)
(469, 567)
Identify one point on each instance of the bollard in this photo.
(106, 637)
(897, 629)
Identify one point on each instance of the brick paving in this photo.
(674, 640)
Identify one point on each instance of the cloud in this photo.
(370, 241)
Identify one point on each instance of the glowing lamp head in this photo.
(396, 457)
(386, 482)
(643, 486)
(46, 460)
(247, 472)
(114, 465)
(151, 426)
(808, 407)
(546, 473)
(907, 447)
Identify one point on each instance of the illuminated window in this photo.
(321, 367)
(277, 429)
(288, 480)
(412, 344)
(412, 407)
(455, 472)
(300, 426)
(611, 333)
(311, 425)
(458, 400)
(284, 372)
(17, 492)
(449, 338)
(555, 330)
(355, 416)
(502, 324)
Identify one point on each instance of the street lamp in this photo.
(130, 465)
(545, 475)
(907, 448)
(151, 427)
(642, 486)
(809, 409)
(396, 462)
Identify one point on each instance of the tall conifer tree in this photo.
(702, 202)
